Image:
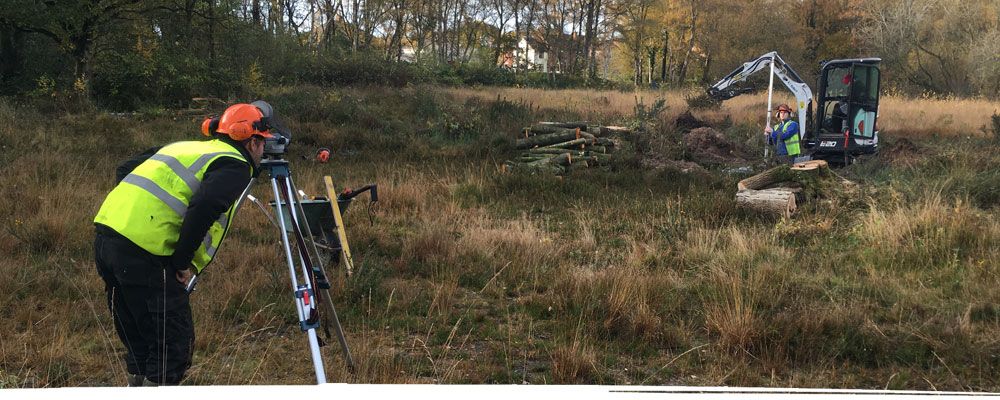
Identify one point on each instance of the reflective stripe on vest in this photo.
(149, 205)
(792, 143)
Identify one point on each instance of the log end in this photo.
(809, 165)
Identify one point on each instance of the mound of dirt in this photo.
(687, 121)
(709, 146)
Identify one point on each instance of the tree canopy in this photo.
(126, 53)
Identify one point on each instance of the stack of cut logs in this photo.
(556, 147)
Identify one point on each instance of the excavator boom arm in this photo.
(725, 89)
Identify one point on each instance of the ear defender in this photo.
(209, 126)
(240, 131)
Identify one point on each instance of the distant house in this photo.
(530, 54)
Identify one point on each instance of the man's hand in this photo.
(184, 276)
(767, 130)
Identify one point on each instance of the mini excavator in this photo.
(844, 123)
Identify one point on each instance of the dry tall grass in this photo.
(900, 116)
(472, 276)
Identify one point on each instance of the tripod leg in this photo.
(322, 282)
(340, 332)
(303, 292)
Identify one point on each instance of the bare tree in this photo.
(930, 41)
(692, 30)
(502, 14)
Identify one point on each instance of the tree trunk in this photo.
(687, 55)
(553, 127)
(666, 49)
(612, 130)
(211, 31)
(255, 13)
(592, 57)
(763, 179)
(559, 159)
(704, 72)
(548, 139)
(576, 142)
(546, 150)
(778, 174)
(588, 40)
(81, 59)
(779, 201)
(651, 52)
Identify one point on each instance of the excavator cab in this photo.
(846, 110)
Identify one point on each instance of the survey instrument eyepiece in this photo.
(276, 145)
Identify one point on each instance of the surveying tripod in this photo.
(313, 274)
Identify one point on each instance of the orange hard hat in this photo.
(784, 107)
(240, 122)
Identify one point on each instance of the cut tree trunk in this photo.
(560, 159)
(763, 179)
(545, 129)
(570, 125)
(543, 140)
(548, 150)
(779, 201)
(541, 129)
(778, 174)
(809, 165)
(563, 145)
(610, 130)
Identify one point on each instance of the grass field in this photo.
(618, 275)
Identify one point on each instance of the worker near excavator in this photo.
(162, 224)
(785, 135)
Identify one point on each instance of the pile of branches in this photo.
(558, 147)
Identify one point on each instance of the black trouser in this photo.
(150, 308)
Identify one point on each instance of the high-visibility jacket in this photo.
(149, 204)
(789, 143)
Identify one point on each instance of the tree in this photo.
(637, 28)
(934, 45)
(73, 25)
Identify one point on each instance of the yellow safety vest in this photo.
(149, 204)
(792, 143)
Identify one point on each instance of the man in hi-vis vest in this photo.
(785, 135)
(161, 225)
